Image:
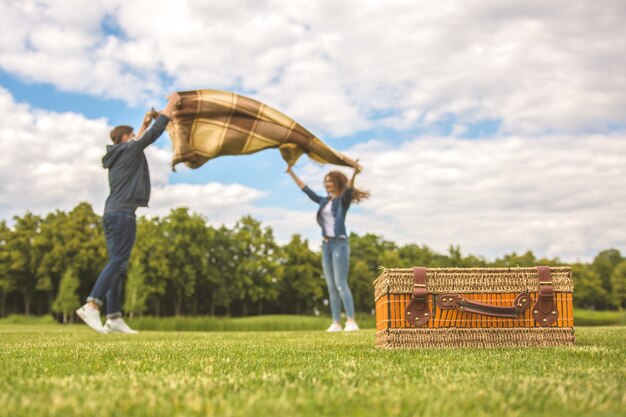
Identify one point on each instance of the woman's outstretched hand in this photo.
(294, 176)
(357, 169)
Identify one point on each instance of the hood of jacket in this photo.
(113, 153)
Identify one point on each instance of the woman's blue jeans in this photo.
(120, 230)
(335, 263)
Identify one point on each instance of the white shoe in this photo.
(334, 328)
(118, 326)
(351, 326)
(91, 316)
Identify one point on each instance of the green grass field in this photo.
(287, 322)
(54, 370)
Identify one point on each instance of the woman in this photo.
(331, 216)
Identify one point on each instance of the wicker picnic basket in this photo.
(474, 307)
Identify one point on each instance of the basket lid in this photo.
(472, 280)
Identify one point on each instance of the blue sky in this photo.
(496, 126)
(259, 170)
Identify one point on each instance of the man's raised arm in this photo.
(158, 127)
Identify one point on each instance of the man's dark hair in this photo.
(118, 132)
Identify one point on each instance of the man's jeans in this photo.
(335, 262)
(120, 229)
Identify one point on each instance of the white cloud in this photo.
(558, 196)
(340, 67)
(219, 203)
(48, 160)
(337, 68)
(62, 43)
(52, 161)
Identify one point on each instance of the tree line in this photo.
(181, 265)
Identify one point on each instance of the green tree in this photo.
(70, 240)
(213, 284)
(7, 284)
(187, 254)
(604, 263)
(367, 253)
(222, 255)
(136, 290)
(257, 272)
(149, 268)
(415, 255)
(361, 280)
(302, 286)
(512, 260)
(67, 299)
(589, 290)
(86, 247)
(618, 286)
(24, 258)
(182, 265)
(50, 243)
(390, 258)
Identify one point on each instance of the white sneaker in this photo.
(118, 326)
(91, 316)
(351, 326)
(334, 328)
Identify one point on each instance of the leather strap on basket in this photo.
(417, 312)
(544, 311)
(449, 301)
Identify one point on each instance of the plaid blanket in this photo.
(211, 123)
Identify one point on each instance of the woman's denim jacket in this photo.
(339, 208)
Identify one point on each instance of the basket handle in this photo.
(453, 301)
(544, 311)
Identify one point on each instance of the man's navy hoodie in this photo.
(129, 177)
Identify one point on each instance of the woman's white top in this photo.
(329, 219)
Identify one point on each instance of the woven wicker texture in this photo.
(464, 338)
(471, 280)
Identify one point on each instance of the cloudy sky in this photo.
(495, 125)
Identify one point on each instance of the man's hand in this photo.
(172, 103)
(145, 123)
(147, 119)
(174, 98)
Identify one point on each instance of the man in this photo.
(129, 184)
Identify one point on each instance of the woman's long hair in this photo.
(340, 182)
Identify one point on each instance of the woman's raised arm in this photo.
(357, 170)
(316, 198)
(295, 177)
